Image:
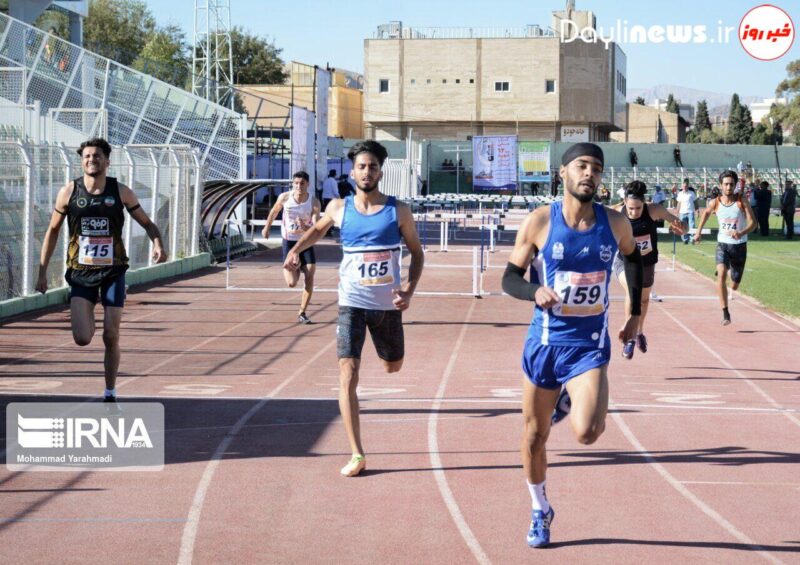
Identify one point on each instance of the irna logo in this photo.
(77, 433)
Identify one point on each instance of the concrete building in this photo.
(447, 83)
(267, 104)
(685, 110)
(759, 110)
(646, 124)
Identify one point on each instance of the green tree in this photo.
(787, 116)
(255, 59)
(701, 119)
(164, 56)
(740, 122)
(735, 119)
(761, 135)
(639, 100)
(710, 136)
(672, 105)
(118, 29)
(55, 20)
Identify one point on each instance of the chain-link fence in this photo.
(167, 180)
(135, 108)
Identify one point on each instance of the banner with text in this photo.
(323, 85)
(494, 162)
(534, 161)
(302, 141)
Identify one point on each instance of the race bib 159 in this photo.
(582, 294)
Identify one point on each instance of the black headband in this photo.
(582, 150)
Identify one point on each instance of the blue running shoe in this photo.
(563, 406)
(628, 349)
(539, 533)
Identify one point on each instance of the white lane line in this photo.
(189, 536)
(677, 485)
(672, 392)
(773, 261)
(682, 385)
(436, 461)
(719, 357)
(748, 483)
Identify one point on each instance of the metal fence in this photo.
(167, 180)
(59, 76)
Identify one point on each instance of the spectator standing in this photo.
(686, 208)
(676, 153)
(788, 207)
(763, 203)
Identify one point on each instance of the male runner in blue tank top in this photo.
(371, 293)
(573, 242)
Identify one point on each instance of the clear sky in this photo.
(332, 32)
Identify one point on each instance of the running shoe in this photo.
(726, 318)
(539, 532)
(641, 341)
(356, 464)
(563, 406)
(655, 298)
(110, 403)
(628, 349)
(303, 319)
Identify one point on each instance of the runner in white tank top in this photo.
(300, 211)
(372, 295)
(736, 220)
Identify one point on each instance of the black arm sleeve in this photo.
(634, 276)
(134, 208)
(514, 283)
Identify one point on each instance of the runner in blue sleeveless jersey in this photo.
(372, 294)
(572, 244)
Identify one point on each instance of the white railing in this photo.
(167, 180)
(140, 109)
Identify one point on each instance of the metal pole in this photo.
(27, 225)
(197, 204)
(154, 203)
(131, 181)
(458, 157)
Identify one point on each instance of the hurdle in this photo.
(477, 267)
(704, 231)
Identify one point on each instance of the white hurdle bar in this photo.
(704, 231)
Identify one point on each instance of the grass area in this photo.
(772, 271)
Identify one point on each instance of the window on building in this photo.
(472, 81)
(502, 86)
(444, 81)
(427, 81)
(383, 85)
(413, 81)
(550, 86)
(458, 81)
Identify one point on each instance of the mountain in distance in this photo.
(690, 95)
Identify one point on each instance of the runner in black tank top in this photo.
(643, 219)
(95, 251)
(96, 256)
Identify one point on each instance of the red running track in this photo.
(698, 462)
